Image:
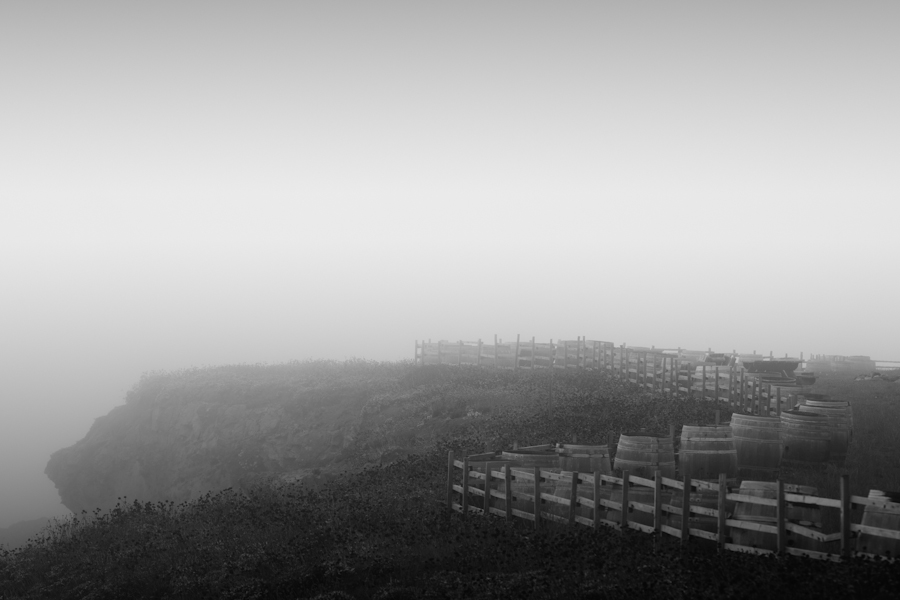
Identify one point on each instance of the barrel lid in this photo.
(809, 416)
(743, 417)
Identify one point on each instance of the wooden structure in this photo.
(492, 487)
(676, 372)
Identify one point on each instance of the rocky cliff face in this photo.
(183, 434)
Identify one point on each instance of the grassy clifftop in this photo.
(384, 532)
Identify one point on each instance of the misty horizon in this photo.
(217, 183)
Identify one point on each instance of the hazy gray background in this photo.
(198, 183)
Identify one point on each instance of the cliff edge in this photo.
(180, 435)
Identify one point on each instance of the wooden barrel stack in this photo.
(707, 451)
(575, 458)
(757, 442)
(806, 437)
(642, 454)
(840, 419)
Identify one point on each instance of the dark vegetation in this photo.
(385, 532)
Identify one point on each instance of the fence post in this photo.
(516, 365)
(780, 516)
(507, 489)
(626, 484)
(487, 488)
(657, 501)
(537, 497)
(465, 488)
(778, 401)
(716, 385)
(686, 510)
(731, 387)
(662, 365)
(596, 499)
(723, 489)
(845, 516)
(675, 374)
(573, 499)
(703, 384)
(450, 466)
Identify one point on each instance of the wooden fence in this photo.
(493, 490)
(668, 371)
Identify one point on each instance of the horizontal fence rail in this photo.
(486, 487)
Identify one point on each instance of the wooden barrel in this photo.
(707, 451)
(886, 516)
(829, 403)
(808, 515)
(806, 436)
(584, 459)
(757, 441)
(525, 461)
(643, 454)
(838, 421)
(581, 459)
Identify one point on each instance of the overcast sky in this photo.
(196, 183)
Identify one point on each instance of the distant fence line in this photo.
(679, 374)
(530, 354)
(875, 536)
(597, 354)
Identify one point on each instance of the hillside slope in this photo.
(181, 434)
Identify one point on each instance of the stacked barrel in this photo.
(642, 454)
(839, 417)
(706, 451)
(757, 442)
(575, 458)
(817, 429)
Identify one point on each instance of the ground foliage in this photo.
(385, 532)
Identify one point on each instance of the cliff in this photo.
(181, 434)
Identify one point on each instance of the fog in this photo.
(188, 184)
